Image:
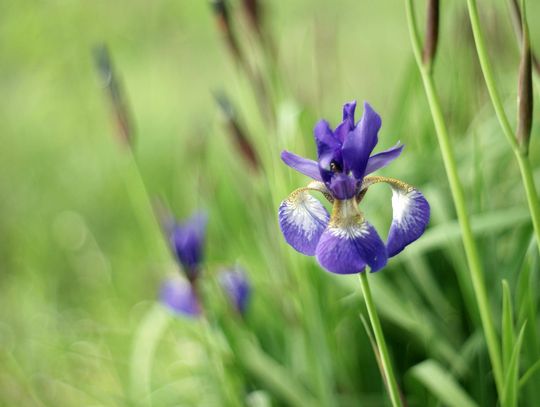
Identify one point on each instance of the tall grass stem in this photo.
(520, 153)
(471, 250)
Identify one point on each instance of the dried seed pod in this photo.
(432, 32)
(516, 20)
(525, 91)
(116, 95)
(252, 8)
(223, 20)
(242, 142)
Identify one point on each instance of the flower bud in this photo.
(180, 297)
(236, 287)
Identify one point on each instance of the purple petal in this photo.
(187, 241)
(179, 296)
(347, 249)
(410, 218)
(348, 121)
(360, 142)
(342, 186)
(328, 149)
(302, 165)
(383, 158)
(348, 112)
(237, 288)
(302, 219)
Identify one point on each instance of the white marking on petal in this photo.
(305, 212)
(302, 219)
(350, 232)
(401, 205)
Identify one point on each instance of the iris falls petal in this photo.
(302, 219)
(350, 242)
(410, 217)
(410, 210)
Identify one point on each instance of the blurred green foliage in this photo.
(81, 257)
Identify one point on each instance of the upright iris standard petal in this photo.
(187, 241)
(237, 288)
(348, 121)
(180, 297)
(302, 165)
(383, 158)
(302, 219)
(328, 149)
(360, 142)
(350, 242)
(410, 217)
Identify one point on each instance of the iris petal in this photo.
(179, 296)
(187, 240)
(348, 121)
(236, 286)
(303, 165)
(410, 210)
(383, 158)
(342, 186)
(350, 242)
(328, 149)
(348, 112)
(302, 219)
(410, 217)
(348, 250)
(360, 142)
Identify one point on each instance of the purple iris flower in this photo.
(345, 242)
(187, 242)
(179, 296)
(237, 288)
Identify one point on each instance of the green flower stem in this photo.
(389, 377)
(150, 331)
(521, 155)
(471, 250)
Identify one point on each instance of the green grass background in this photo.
(81, 257)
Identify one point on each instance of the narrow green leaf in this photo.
(511, 385)
(529, 373)
(508, 336)
(441, 384)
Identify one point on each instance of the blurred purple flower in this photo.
(180, 296)
(187, 242)
(237, 288)
(345, 242)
